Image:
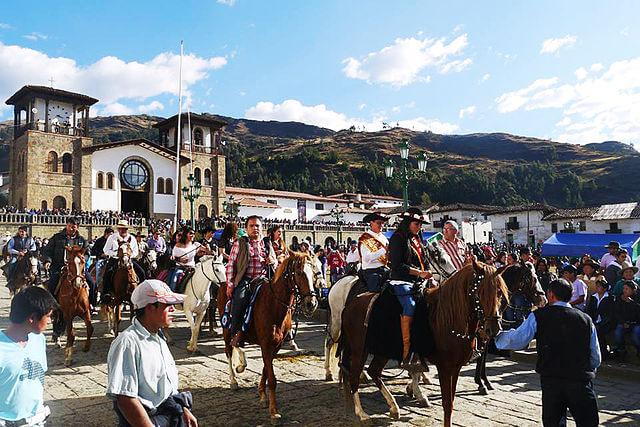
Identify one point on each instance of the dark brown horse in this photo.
(124, 281)
(271, 322)
(464, 307)
(25, 272)
(72, 294)
(525, 293)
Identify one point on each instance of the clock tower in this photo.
(50, 128)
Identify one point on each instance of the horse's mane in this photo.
(293, 256)
(450, 301)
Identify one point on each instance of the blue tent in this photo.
(577, 244)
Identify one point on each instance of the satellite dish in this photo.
(34, 110)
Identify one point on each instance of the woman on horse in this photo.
(228, 237)
(408, 264)
(184, 253)
(275, 248)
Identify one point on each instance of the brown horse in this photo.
(274, 306)
(464, 307)
(525, 293)
(25, 273)
(72, 294)
(123, 281)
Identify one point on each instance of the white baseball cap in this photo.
(151, 291)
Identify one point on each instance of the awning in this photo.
(578, 244)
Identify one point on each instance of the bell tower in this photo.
(46, 163)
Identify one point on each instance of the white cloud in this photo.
(467, 111)
(596, 67)
(581, 73)
(5, 26)
(485, 77)
(34, 36)
(109, 79)
(554, 45)
(227, 2)
(404, 61)
(594, 108)
(362, 106)
(320, 115)
(150, 107)
(116, 109)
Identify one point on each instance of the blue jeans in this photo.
(404, 292)
(174, 275)
(373, 277)
(621, 331)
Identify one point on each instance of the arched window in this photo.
(100, 180)
(67, 163)
(197, 174)
(202, 212)
(134, 175)
(43, 205)
(198, 138)
(160, 186)
(52, 161)
(110, 181)
(168, 186)
(207, 177)
(59, 202)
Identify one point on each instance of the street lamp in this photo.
(230, 208)
(338, 214)
(405, 173)
(473, 221)
(191, 194)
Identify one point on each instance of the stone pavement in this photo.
(76, 394)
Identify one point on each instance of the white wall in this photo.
(288, 207)
(109, 160)
(538, 228)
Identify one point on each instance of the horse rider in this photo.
(20, 245)
(111, 247)
(142, 246)
(372, 246)
(248, 260)
(157, 243)
(453, 246)
(54, 253)
(353, 258)
(409, 264)
(207, 241)
(97, 250)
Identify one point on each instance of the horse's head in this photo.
(521, 278)
(152, 259)
(319, 281)
(440, 261)
(488, 290)
(214, 268)
(124, 254)
(297, 270)
(75, 265)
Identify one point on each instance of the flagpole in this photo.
(190, 141)
(179, 140)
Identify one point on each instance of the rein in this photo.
(476, 309)
(289, 274)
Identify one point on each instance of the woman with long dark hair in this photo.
(229, 235)
(184, 253)
(408, 263)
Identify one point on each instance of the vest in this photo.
(563, 341)
(21, 244)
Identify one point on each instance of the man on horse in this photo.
(157, 243)
(372, 246)
(54, 253)
(97, 250)
(247, 261)
(111, 247)
(20, 245)
(409, 264)
(453, 246)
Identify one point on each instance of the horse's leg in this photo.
(262, 385)
(357, 365)
(233, 383)
(68, 351)
(117, 317)
(484, 371)
(425, 379)
(375, 370)
(87, 323)
(416, 391)
(188, 313)
(328, 346)
(478, 376)
(195, 331)
(446, 390)
(267, 357)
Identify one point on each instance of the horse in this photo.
(72, 293)
(524, 292)
(277, 298)
(149, 263)
(124, 280)
(25, 273)
(463, 308)
(197, 293)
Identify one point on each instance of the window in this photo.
(319, 206)
(197, 136)
(554, 227)
(100, 180)
(110, 181)
(168, 186)
(52, 161)
(43, 205)
(202, 211)
(197, 173)
(582, 225)
(134, 175)
(160, 186)
(513, 219)
(67, 163)
(272, 201)
(59, 202)
(23, 166)
(207, 177)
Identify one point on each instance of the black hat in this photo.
(613, 244)
(375, 216)
(415, 214)
(630, 283)
(602, 282)
(569, 268)
(591, 263)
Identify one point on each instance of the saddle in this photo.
(186, 275)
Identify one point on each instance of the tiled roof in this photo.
(616, 211)
(571, 213)
(45, 90)
(145, 143)
(462, 207)
(366, 197)
(195, 119)
(280, 193)
(521, 208)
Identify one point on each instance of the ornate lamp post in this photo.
(191, 194)
(473, 221)
(338, 214)
(230, 208)
(405, 173)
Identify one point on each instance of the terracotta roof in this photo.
(367, 196)
(571, 213)
(195, 120)
(521, 208)
(280, 193)
(253, 203)
(145, 143)
(461, 207)
(49, 92)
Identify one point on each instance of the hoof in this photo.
(86, 348)
(328, 377)
(275, 418)
(490, 386)
(67, 362)
(409, 390)
(364, 419)
(234, 386)
(483, 391)
(424, 402)
(395, 415)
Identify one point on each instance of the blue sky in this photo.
(568, 71)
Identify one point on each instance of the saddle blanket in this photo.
(225, 320)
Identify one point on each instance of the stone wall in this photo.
(211, 196)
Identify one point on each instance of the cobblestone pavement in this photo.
(76, 394)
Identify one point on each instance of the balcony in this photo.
(512, 225)
(199, 148)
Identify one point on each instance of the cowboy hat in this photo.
(415, 214)
(613, 244)
(592, 264)
(632, 268)
(123, 223)
(375, 216)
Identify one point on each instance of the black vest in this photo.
(563, 341)
(21, 244)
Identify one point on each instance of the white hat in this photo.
(123, 223)
(452, 223)
(151, 291)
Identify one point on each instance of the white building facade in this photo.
(472, 225)
(521, 225)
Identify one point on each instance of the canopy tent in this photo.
(577, 244)
(427, 236)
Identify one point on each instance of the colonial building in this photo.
(619, 218)
(55, 163)
(521, 225)
(473, 226)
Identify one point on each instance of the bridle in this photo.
(72, 277)
(289, 275)
(476, 310)
(204, 273)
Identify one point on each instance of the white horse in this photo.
(198, 296)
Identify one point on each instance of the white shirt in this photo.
(598, 301)
(607, 259)
(353, 256)
(579, 289)
(188, 252)
(372, 259)
(113, 243)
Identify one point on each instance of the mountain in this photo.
(482, 168)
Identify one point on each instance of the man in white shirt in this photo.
(353, 257)
(113, 243)
(372, 248)
(579, 294)
(611, 256)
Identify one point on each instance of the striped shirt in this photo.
(457, 251)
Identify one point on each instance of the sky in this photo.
(562, 70)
